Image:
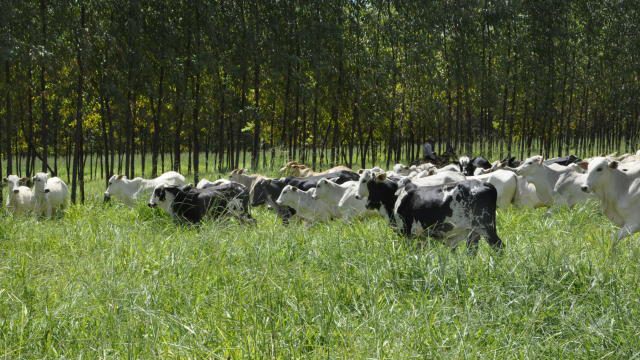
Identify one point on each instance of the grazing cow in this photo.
(340, 198)
(546, 180)
(618, 189)
(204, 183)
(305, 206)
(241, 176)
(564, 161)
(129, 191)
(21, 199)
(468, 166)
(192, 205)
(452, 212)
(50, 194)
(296, 169)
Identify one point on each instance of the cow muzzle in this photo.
(15, 191)
(585, 188)
(106, 198)
(358, 197)
(152, 205)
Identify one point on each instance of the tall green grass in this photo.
(114, 282)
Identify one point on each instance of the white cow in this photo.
(204, 183)
(50, 194)
(21, 199)
(304, 204)
(551, 186)
(618, 189)
(341, 199)
(129, 191)
(401, 170)
(506, 184)
(450, 168)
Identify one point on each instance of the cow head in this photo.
(530, 166)
(287, 195)
(40, 181)
(598, 174)
(380, 191)
(163, 196)
(14, 182)
(117, 186)
(323, 187)
(363, 190)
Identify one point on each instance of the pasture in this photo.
(114, 282)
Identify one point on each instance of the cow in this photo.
(618, 189)
(192, 205)
(296, 169)
(268, 190)
(50, 194)
(450, 168)
(204, 183)
(468, 165)
(21, 199)
(241, 176)
(129, 191)
(305, 206)
(341, 198)
(451, 212)
(546, 179)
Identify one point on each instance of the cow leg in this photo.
(472, 243)
(625, 231)
(493, 239)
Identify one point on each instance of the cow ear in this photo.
(613, 164)
(381, 177)
(584, 165)
(119, 177)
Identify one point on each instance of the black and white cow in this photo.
(468, 165)
(452, 212)
(192, 205)
(268, 190)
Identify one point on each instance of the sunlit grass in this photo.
(109, 281)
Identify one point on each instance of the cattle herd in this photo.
(453, 203)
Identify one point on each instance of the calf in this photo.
(468, 166)
(618, 189)
(452, 212)
(129, 191)
(304, 204)
(192, 205)
(341, 198)
(21, 199)
(50, 195)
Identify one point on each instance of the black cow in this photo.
(268, 190)
(564, 161)
(193, 205)
(465, 210)
(468, 166)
